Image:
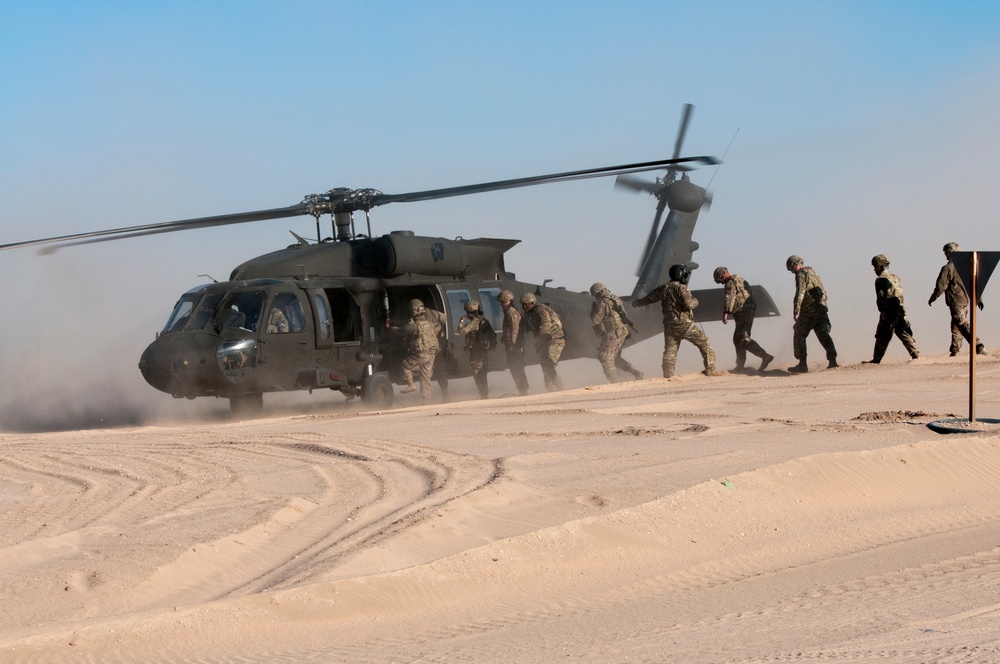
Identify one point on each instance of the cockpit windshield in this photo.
(182, 312)
(193, 311)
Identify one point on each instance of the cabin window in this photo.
(457, 300)
(345, 315)
(285, 314)
(324, 323)
(491, 308)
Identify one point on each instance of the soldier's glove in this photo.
(980, 305)
(539, 346)
(930, 302)
(635, 305)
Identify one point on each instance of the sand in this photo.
(740, 518)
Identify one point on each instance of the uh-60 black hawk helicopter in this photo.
(338, 295)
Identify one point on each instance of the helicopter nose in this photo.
(182, 364)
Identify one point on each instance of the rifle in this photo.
(624, 316)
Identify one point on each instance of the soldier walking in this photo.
(678, 320)
(480, 339)
(421, 341)
(439, 320)
(512, 337)
(891, 314)
(741, 305)
(811, 314)
(550, 339)
(957, 299)
(611, 325)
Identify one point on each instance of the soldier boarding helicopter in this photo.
(317, 315)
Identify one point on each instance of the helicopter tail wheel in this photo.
(246, 405)
(376, 391)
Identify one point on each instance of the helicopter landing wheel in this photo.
(376, 391)
(246, 405)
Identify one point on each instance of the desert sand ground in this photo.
(741, 518)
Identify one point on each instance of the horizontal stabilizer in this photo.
(712, 301)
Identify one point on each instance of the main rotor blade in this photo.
(537, 179)
(636, 184)
(345, 200)
(164, 227)
(683, 130)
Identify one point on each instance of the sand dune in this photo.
(738, 518)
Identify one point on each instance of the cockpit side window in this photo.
(285, 314)
(241, 309)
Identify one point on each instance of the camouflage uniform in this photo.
(891, 314)
(606, 315)
(678, 323)
(478, 342)
(421, 340)
(512, 337)
(957, 299)
(811, 314)
(741, 305)
(550, 339)
(438, 320)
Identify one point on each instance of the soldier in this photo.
(891, 315)
(438, 320)
(480, 339)
(611, 325)
(811, 313)
(513, 340)
(550, 339)
(957, 299)
(421, 341)
(742, 307)
(678, 320)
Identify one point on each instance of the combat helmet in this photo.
(680, 272)
(597, 288)
(719, 274)
(417, 307)
(881, 261)
(505, 297)
(792, 261)
(528, 300)
(472, 307)
(951, 247)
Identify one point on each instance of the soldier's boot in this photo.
(766, 360)
(611, 375)
(635, 372)
(980, 349)
(445, 398)
(410, 387)
(874, 360)
(801, 367)
(832, 362)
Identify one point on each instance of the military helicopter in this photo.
(316, 315)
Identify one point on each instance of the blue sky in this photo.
(860, 128)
